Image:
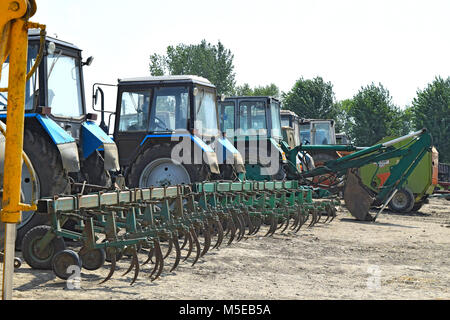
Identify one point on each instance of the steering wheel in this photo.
(160, 123)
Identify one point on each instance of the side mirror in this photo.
(88, 61)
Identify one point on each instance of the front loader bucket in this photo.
(357, 199)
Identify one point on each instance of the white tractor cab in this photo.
(317, 132)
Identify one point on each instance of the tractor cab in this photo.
(55, 103)
(253, 125)
(317, 132)
(167, 132)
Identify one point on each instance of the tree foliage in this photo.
(268, 90)
(311, 99)
(431, 110)
(371, 116)
(213, 62)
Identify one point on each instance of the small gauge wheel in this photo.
(62, 261)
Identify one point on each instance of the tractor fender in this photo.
(211, 156)
(64, 142)
(92, 138)
(227, 153)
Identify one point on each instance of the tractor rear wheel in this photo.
(52, 180)
(154, 167)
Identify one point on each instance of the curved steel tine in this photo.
(184, 242)
(333, 214)
(136, 267)
(258, 225)
(287, 224)
(197, 246)
(169, 250)
(241, 228)
(207, 236)
(188, 234)
(314, 217)
(233, 230)
(161, 261)
(131, 264)
(272, 219)
(303, 219)
(112, 268)
(328, 216)
(177, 251)
(274, 228)
(155, 251)
(247, 220)
(150, 255)
(296, 219)
(319, 215)
(219, 234)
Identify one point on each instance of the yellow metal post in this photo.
(14, 43)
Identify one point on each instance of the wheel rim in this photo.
(400, 200)
(45, 255)
(163, 172)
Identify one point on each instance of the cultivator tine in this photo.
(197, 246)
(177, 251)
(135, 264)
(232, 228)
(113, 265)
(257, 225)
(185, 241)
(220, 235)
(189, 239)
(150, 255)
(313, 219)
(273, 226)
(287, 225)
(169, 249)
(302, 220)
(207, 236)
(159, 261)
(248, 221)
(241, 228)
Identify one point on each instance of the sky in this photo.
(403, 45)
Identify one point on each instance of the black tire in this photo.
(47, 164)
(94, 170)
(403, 201)
(62, 261)
(42, 260)
(93, 259)
(197, 173)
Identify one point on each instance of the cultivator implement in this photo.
(182, 222)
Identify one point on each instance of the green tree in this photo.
(431, 110)
(311, 99)
(371, 115)
(268, 90)
(213, 62)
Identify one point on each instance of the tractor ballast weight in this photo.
(166, 131)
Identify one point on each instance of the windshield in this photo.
(322, 133)
(206, 113)
(170, 109)
(134, 111)
(64, 86)
(275, 116)
(227, 118)
(32, 84)
(252, 118)
(305, 134)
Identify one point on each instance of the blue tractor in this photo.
(68, 151)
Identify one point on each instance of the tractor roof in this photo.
(168, 79)
(288, 112)
(34, 34)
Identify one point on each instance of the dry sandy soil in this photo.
(398, 257)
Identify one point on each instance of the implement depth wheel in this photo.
(93, 259)
(62, 261)
(40, 259)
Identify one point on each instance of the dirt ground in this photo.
(398, 257)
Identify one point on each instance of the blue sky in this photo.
(402, 44)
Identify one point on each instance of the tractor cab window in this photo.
(252, 118)
(275, 117)
(170, 109)
(134, 111)
(206, 113)
(64, 85)
(322, 133)
(32, 85)
(227, 118)
(305, 133)
(285, 122)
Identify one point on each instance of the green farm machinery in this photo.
(184, 221)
